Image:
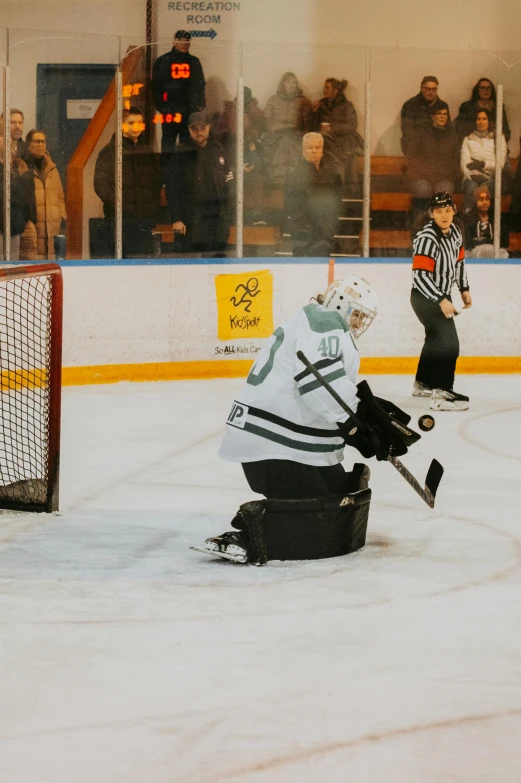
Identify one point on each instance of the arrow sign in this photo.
(204, 33)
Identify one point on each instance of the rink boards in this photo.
(161, 319)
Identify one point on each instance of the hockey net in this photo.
(30, 386)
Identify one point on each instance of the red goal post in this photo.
(31, 314)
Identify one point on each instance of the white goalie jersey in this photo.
(283, 412)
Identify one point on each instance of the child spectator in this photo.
(479, 228)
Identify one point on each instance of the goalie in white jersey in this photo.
(286, 429)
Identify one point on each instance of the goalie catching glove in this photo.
(384, 433)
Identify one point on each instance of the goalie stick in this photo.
(435, 472)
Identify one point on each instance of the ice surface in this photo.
(127, 658)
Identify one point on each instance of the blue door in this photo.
(65, 99)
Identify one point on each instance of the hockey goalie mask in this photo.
(354, 300)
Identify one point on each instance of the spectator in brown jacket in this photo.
(50, 199)
(433, 157)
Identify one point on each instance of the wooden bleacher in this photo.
(385, 171)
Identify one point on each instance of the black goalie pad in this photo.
(306, 529)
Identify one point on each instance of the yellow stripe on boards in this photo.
(231, 368)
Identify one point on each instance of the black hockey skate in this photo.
(232, 546)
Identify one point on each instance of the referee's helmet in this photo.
(442, 199)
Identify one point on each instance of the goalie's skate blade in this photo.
(220, 555)
(434, 476)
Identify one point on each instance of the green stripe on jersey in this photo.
(321, 320)
(316, 383)
(293, 444)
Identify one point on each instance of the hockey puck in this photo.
(426, 423)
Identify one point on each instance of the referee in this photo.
(439, 263)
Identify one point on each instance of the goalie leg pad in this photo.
(306, 529)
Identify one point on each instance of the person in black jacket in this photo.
(141, 186)
(177, 91)
(479, 228)
(23, 207)
(416, 112)
(198, 185)
(483, 97)
(313, 199)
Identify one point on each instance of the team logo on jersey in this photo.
(237, 416)
(347, 501)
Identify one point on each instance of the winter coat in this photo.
(465, 122)
(172, 90)
(50, 206)
(481, 148)
(23, 206)
(433, 155)
(313, 199)
(339, 113)
(287, 112)
(141, 182)
(416, 114)
(198, 182)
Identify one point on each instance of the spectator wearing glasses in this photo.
(48, 190)
(27, 250)
(416, 112)
(483, 97)
(141, 186)
(198, 183)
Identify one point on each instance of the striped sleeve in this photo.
(461, 274)
(425, 253)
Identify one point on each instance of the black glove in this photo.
(477, 165)
(385, 432)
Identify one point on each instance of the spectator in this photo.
(287, 117)
(312, 199)
(479, 228)
(483, 97)
(19, 150)
(335, 117)
(478, 158)
(22, 201)
(415, 112)
(198, 190)
(433, 157)
(253, 157)
(177, 90)
(50, 199)
(141, 186)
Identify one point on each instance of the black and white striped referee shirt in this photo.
(438, 262)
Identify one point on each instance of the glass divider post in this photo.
(7, 165)
(119, 165)
(239, 185)
(366, 208)
(498, 172)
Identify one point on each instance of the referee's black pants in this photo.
(440, 351)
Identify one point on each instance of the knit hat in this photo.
(479, 192)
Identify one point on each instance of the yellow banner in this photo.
(244, 305)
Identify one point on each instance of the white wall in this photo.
(315, 38)
(138, 314)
